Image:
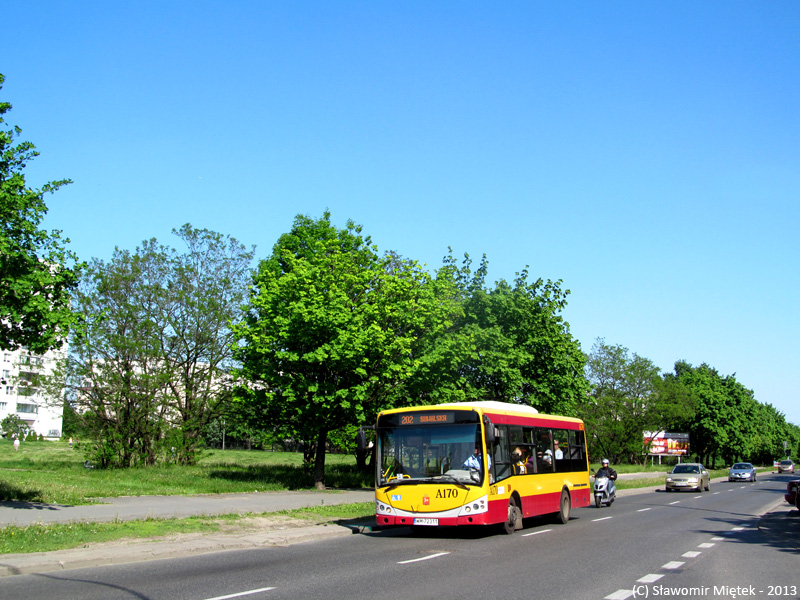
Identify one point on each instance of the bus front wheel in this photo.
(514, 518)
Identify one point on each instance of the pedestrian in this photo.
(70, 442)
(16, 443)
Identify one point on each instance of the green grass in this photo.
(52, 472)
(62, 536)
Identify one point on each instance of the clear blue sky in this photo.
(645, 153)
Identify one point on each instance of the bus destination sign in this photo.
(427, 418)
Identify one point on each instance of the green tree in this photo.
(154, 352)
(332, 332)
(708, 430)
(201, 293)
(117, 378)
(36, 278)
(13, 426)
(624, 401)
(508, 343)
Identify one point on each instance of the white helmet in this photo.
(605, 462)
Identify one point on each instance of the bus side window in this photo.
(576, 451)
(501, 459)
(544, 450)
(561, 450)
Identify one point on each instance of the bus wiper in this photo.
(397, 482)
(449, 478)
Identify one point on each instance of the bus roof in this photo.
(491, 407)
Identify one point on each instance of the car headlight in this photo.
(692, 479)
(669, 479)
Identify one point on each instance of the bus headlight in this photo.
(383, 509)
(481, 505)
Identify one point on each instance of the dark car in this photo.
(786, 466)
(742, 472)
(791, 492)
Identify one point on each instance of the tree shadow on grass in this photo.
(9, 492)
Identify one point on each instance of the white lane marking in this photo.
(692, 554)
(673, 565)
(652, 577)
(717, 539)
(698, 496)
(642, 509)
(240, 594)
(715, 493)
(601, 519)
(413, 560)
(707, 544)
(619, 595)
(738, 529)
(536, 532)
(676, 502)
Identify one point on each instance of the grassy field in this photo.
(53, 472)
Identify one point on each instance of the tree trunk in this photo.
(319, 463)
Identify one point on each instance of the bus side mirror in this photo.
(491, 435)
(361, 438)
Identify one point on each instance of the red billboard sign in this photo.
(666, 443)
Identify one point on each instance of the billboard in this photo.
(666, 443)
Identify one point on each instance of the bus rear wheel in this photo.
(565, 507)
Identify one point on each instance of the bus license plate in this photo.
(426, 521)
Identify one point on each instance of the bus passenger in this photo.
(518, 459)
(559, 451)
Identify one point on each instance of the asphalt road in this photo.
(648, 544)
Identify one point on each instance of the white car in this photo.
(742, 472)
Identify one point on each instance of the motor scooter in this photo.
(605, 491)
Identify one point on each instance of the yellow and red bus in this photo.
(477, 463)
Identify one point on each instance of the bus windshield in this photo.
(420, 454)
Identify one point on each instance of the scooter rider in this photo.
(605, 490)
(607, 471)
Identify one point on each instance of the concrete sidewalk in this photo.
(130, 508)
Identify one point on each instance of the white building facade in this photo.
(19, 394)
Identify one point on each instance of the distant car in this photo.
(742, 472)
(688, 476)
(786, 466)
(791, 492)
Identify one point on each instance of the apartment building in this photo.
(20, 371)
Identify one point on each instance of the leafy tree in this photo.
(117, 378)
(332, 332)
(153, 354)
(35, 279)
(71, 423)
(202, 291)
(13, 426)
(508, 343)
(624, 401)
